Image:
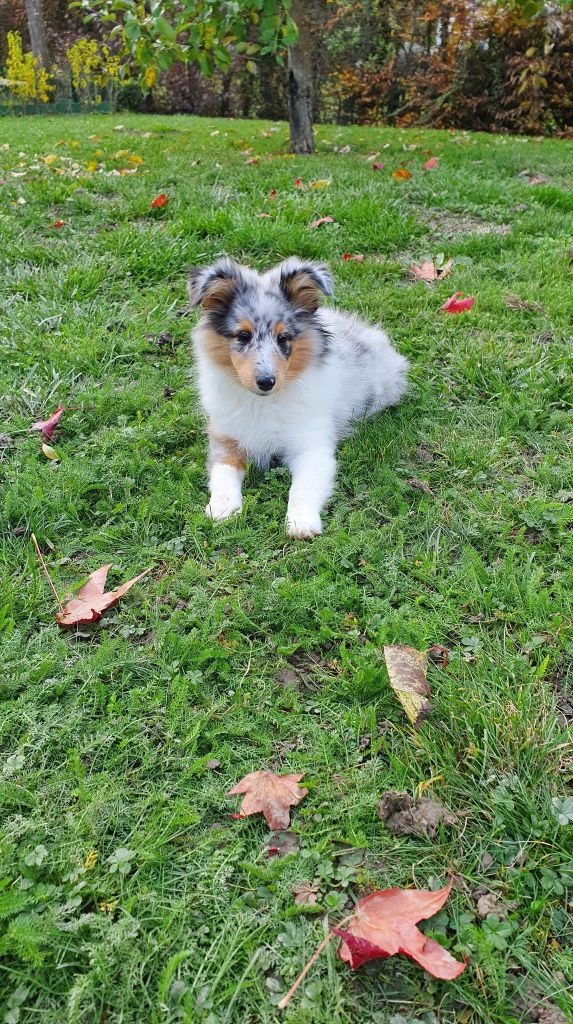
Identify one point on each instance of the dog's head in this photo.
(262, 328)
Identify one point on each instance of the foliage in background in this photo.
(26, 78)
(496, 66)
(88, 73)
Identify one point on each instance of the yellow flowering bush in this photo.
(28, 79)
(94, 70)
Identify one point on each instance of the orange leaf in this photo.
(270, 794)
(90, 602)
(401, 174)
(159, 201)
(322, 220)
(356, 257)
(384, 924)
(457, 304)
(429, 271)
(58, 224)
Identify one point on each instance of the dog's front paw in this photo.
(222, 506)
(303, 523)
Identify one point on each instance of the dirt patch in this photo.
(447, 225)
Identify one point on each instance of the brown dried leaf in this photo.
(407, 674)
(271, 795)
(405, 817)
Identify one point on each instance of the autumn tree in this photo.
(206, 33)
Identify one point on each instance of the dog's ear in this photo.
(304, 282)
(213, 287)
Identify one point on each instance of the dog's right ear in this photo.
(213, 287)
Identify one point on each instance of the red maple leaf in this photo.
(90, 602)
(357, 257)
(270, 794)
(434, 161)
(58, 224)
(457, 304)
(384, 924)
(159, 201)
(48, 426)
(299, 182)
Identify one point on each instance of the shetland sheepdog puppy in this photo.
(280, 377)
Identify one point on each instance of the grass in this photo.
(106, 733)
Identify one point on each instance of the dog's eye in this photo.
(284, 338)
(244, 337)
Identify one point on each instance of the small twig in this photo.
(286, 999)
(48, 577)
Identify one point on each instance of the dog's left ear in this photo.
(304, 282)
(213, 287)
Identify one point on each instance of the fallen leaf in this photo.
(401, 174)
(213, 764)
(271, 795)
(457, 304)
(288, 678)
(405, 817)
(50, 453)
(434, 161)
(438, 655)
(282, 843)
(489, 904)
(58, 224)
(356, 257)
(273, 193)
(91, 602)
(159, 201)
(253, 160)
(266, 216)
(384, 924)
(322, 220)
(305, 895)
(372, 156)
(91, 166)
(135, 159)
(420, 485)
(377, 166)
(407, 673)
(299, 182)
(48, 426)
(320, 183)
(430, 272)
(534, 179)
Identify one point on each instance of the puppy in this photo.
(278, 376)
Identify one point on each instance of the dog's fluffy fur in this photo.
(278, 376)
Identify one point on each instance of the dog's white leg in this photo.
(313, 472)
(226, 475)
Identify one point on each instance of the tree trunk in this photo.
(300, 81)
(37, 30)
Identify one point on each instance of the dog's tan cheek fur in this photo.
(244, 367)
(217, 348)
(302, 353)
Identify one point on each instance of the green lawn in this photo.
(261, 652)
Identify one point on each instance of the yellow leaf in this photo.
(120, 154)
(150, 75)
(91, 860)
(92, 165)
(98, 152)
(407, 673)
(51, 158)
(134, 159)
(50, 453)
(320, 183)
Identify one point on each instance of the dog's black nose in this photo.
(265, 383)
